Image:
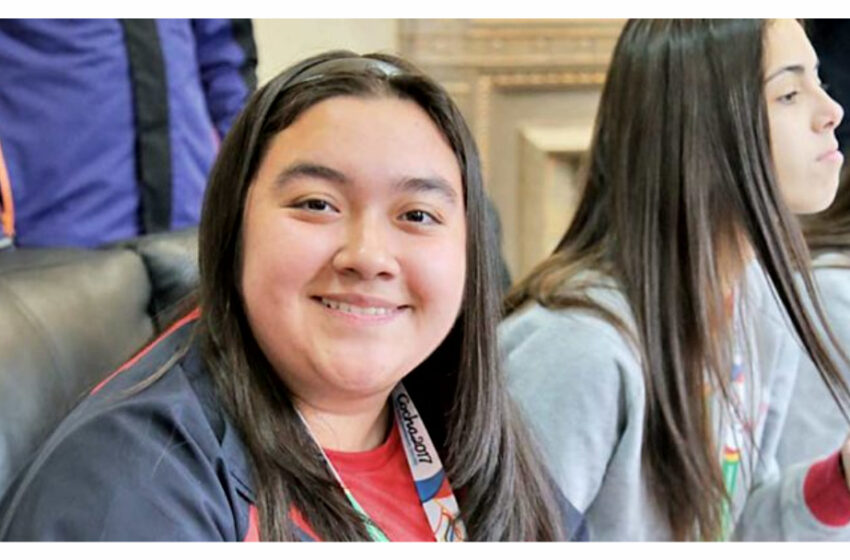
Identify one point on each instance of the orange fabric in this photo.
(253, 534)
(7, 206)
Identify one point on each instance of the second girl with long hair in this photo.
(649, 350)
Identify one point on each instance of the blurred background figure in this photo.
(109, 127)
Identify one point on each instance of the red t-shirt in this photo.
(381, 481)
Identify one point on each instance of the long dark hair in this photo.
(503, 491)
(680, 180)
(830, 230)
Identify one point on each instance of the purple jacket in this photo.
(109, 127)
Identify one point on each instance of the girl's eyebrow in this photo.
(798, 69)
(429, 184)
(309, 169)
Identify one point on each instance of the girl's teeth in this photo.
(346, 308)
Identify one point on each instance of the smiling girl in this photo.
(340, 379)
(651, 351)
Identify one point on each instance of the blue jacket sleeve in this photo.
(227, 58)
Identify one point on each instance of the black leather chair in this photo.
(68, 317)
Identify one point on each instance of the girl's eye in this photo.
(419, 217)
(314, 205)
(788, 97)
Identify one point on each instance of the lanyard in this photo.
(432, 485)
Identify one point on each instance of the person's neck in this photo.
(352, 428)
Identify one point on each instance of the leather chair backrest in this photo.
(171, 259)
(67, 318)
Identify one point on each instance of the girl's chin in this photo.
(817, 200)
(365, 384)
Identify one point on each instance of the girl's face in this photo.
(354, 248)
(802, 120)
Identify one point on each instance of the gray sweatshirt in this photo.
(815, 426)
(579, 382)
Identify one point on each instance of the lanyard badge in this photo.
(432, 485)
(431, 481)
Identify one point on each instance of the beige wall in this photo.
(281, 42)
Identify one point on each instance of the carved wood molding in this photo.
(508, 43)
(482, 56)
(481, 127)
(557, 140)
(548, 190)
(541, 80)
(486, 84)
